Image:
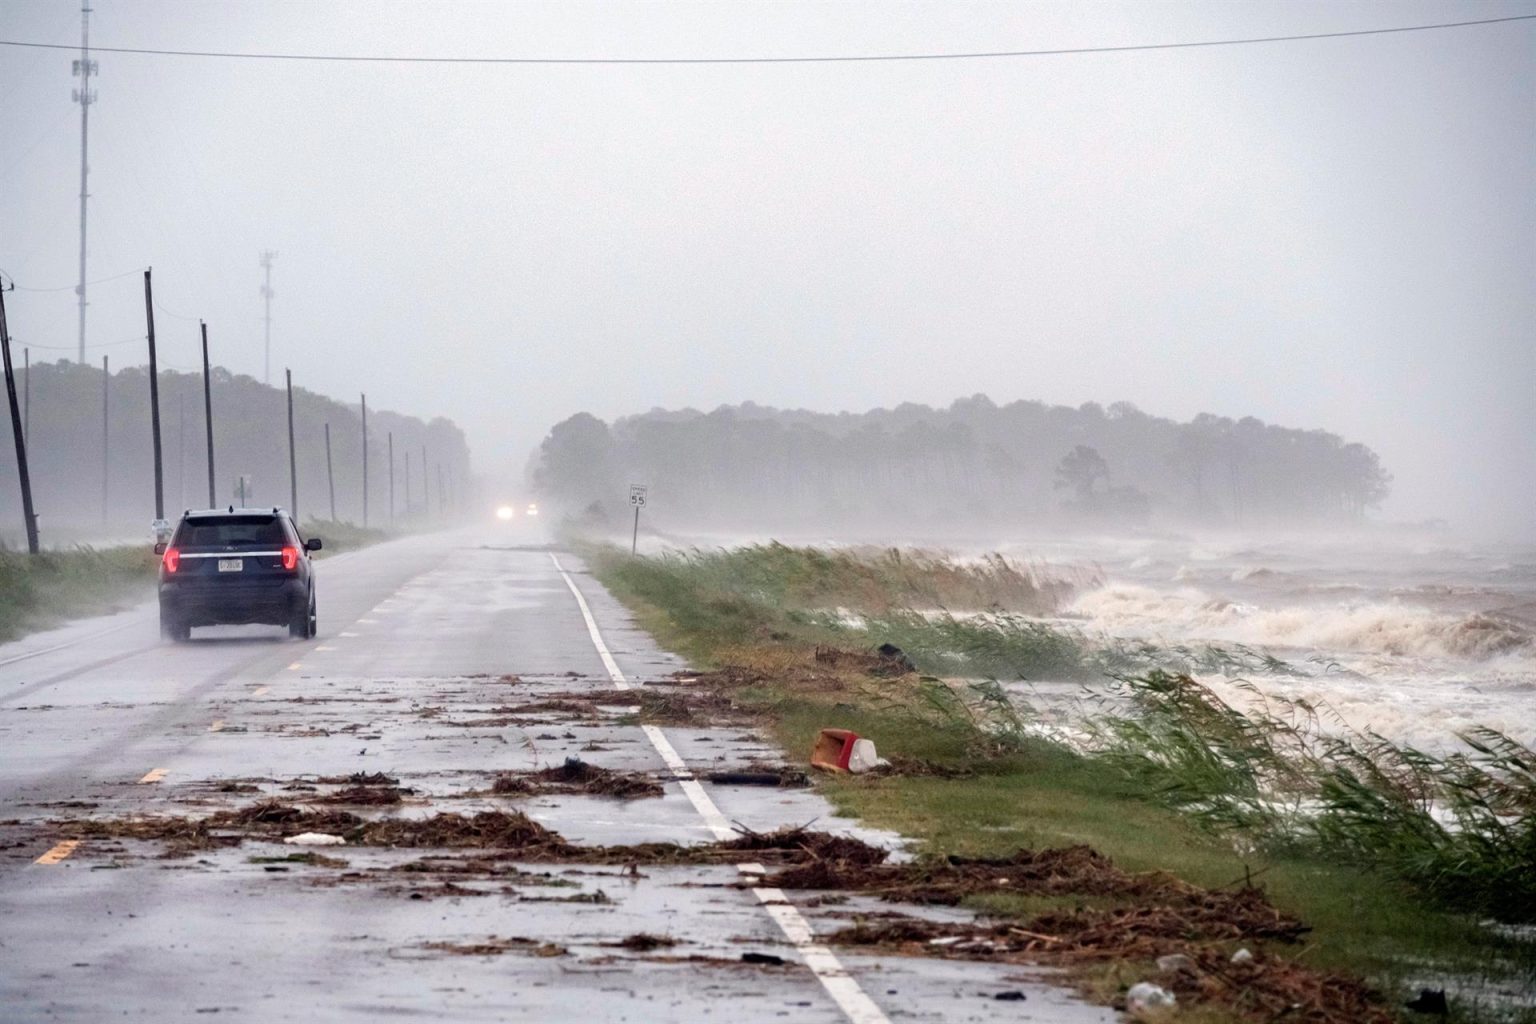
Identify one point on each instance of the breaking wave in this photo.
(1367, 628)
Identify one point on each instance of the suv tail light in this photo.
(172, 559)
(290, 558)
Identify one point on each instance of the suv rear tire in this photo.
(302, 625)
(174, 628)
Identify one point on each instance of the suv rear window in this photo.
(232, 532)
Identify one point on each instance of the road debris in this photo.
(840, 750)
(643, 942)
(314, 839)
(577, 776)
(820, 847)
(496, 946)
(1145, 997)
(783, 777)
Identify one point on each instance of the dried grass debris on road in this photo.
(364, 796)
(1266, 988)
(821, 847)
(358, 779)
(643, 942)
(577, 776)
(496, 946)
(487, 830)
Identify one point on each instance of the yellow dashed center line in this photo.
(295, 666)
(59, 852)
(323, 647)
(153, 775)
(218, 723)
(259, 691)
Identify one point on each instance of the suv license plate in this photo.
(231, 564)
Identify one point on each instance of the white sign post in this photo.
(637, 499)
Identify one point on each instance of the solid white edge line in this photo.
(844, 989)
(68, 643)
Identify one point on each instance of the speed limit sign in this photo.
(637, 495)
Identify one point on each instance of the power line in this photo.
(93, 345)
(72, 287)
(828, 59)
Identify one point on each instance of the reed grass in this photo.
(43, 590)
(1398, 859)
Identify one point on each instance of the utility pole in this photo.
(365, 462)
(293, 459)
(391, 478)
(106, 436)
(267, 256)
(442, 503)
(407, 484)
(154, 402)
(24, 477)
(85, 70)
(330, 476)
(426, 485)
(26, 393)
(181, 447)
(208, 413)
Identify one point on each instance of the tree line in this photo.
(973, 464)
(82, 489)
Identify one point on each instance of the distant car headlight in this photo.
(505, 512)
(533, 510)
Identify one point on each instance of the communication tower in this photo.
(85, 70)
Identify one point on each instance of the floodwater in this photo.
(1415, 640)
(1416, 637)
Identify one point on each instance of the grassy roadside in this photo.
(763, 613)
(44, 590)
(48, 589)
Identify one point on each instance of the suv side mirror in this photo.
(160, 548)
(313, 544)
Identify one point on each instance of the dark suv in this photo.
(237, 566)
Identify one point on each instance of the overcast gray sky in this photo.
(1335, 233)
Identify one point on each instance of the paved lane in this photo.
(424, 644)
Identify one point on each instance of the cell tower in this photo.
(85, 70)
(267, 257)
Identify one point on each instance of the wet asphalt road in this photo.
(417, 639)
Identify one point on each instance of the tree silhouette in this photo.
(1080, 469)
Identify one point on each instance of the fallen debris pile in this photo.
(1261, 988)
(1078, 870)
(508, 832)
(834, 852)
(496, 946)
(577, 776)
(643, 942)
(363, 796)
(690, 707)
(358, 779)
(495, 834)
(884, 662)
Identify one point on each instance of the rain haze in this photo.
(1330, 234)
(812, 509)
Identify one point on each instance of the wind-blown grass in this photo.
(1370, 844)
(1461, 827)
(42, 590)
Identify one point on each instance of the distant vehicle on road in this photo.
(533, 508)
(234, 566)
